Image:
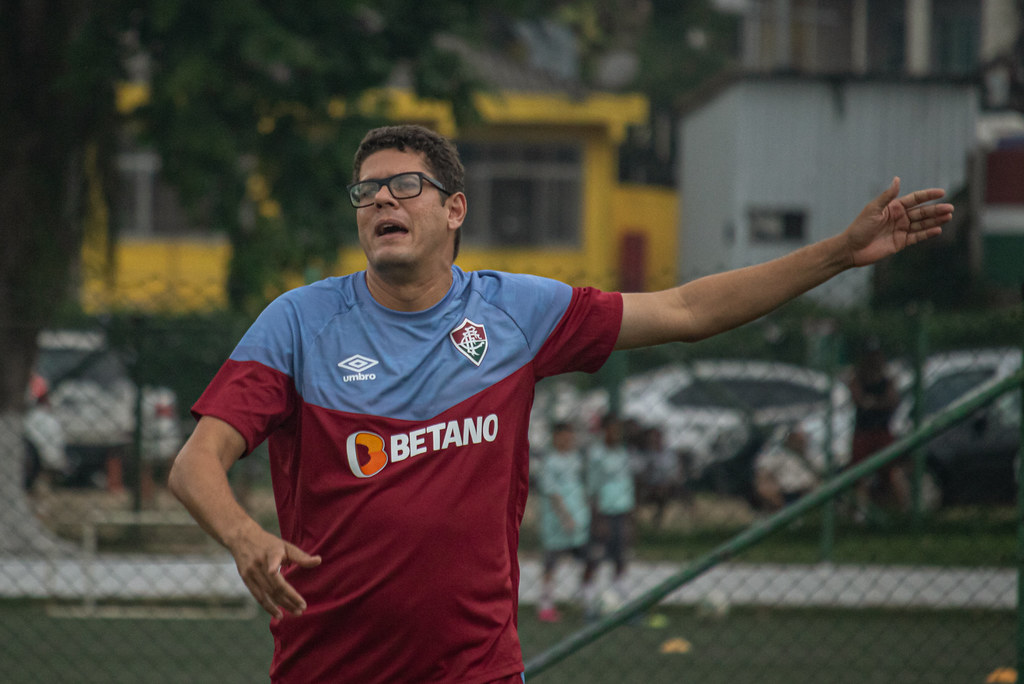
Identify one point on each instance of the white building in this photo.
(771, 163)
(834, 98)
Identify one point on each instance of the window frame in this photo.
(524, 193)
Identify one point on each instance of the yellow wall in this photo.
(161, 275)
(184, 275)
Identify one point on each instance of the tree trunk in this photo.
(47, 118)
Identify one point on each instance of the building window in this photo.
(957, 37)
(777, 225)
(522, 194)
(886, 36)
(146, 206)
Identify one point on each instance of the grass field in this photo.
(786, 647)
(748, 645)
(943, 543)
(763, 645)
(957, 537)
(37, 648)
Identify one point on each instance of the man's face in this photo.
(398, 234)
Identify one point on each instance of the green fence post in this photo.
(756, 532)
(1020, 522)
(921, 344)
(828, 513)
(138, 329)
(612, 374)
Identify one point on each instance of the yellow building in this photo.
(542, 171)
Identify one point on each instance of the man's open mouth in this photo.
(390, 228)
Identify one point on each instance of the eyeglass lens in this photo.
(402, 186)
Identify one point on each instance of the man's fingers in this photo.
(889, 194)
(273, 592)
(260, 591)
(294, 554)
(917, 197)
(261, 564)
(927, 221)
(931, 212)
(285, 595)
(277, 589)
(932, 222)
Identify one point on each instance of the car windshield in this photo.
(102, 367)
(948, 388)
(748, 392)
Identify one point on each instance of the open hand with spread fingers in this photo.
(888, 224)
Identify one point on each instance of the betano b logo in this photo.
(373, 445)
(368, 452)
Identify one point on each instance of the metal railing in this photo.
(758, 531)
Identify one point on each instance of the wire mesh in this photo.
(906, 572)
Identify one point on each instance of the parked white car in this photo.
(45, 450)
(718, 412)
(94, 400)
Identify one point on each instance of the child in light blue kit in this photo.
(565, 516)
(611, 488)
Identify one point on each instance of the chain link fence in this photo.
(739, 526)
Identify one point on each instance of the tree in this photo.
(250, 107)
(685, 46)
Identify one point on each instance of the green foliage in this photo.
(685, 45)
(251, 109)
(262, 91)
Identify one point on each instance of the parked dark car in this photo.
(973, 462)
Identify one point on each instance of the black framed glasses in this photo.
(401, 186)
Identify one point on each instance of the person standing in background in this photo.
(564, 514)
(875, 397)
(666, 478)
(612, 492)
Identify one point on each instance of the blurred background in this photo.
(169, 168)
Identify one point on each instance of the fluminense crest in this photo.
(471, 340)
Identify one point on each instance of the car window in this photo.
(1006, 409)
(749, 392)
(948, 388)
(101, 367)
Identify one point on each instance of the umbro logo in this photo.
(358, 365)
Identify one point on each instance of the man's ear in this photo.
(456, 210)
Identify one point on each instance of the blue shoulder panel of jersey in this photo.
(346, 352)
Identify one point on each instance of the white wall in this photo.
(823, 147)
(709, 161)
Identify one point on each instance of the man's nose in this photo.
(386, 197)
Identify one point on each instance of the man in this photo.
(875, 397)
(396, 403)
(787, 469)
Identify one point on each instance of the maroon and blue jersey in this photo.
(398, 452)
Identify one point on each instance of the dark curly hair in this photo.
(442, 157)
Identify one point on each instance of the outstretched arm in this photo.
(716, 303)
